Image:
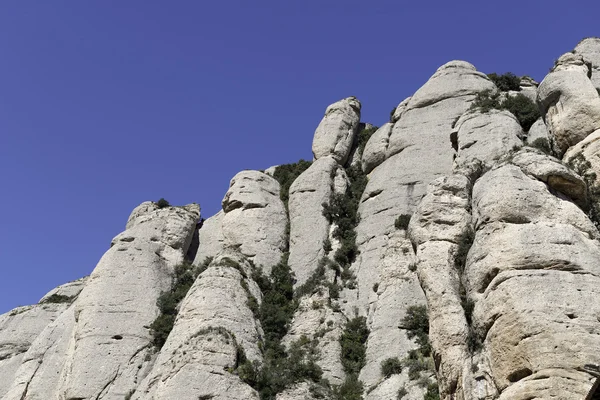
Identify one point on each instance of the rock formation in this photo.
(451, 253)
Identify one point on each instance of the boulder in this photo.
(484, 138)
(589, 49)
(255, 219)
(376, 148)
(113, 312)
(569, 103)
(538, 136)
(336, 133)
(210, 238)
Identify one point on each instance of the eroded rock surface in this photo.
(115, 309)
(201, 353)
(309, 228)
(569, 102)
(255, 219)
(336, 132)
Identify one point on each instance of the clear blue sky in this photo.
(105, 104)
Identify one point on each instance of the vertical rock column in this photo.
(533, 274)
(404, 161)
(111, 337)
(215, 324)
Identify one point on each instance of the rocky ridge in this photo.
(452, 253)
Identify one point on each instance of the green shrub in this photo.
(525, 110)
(506, 82)
(391, 366)
(402, 221)
(541, 144)
(363, 137)
(162, 203)
(184, 277)
(353, 342)
(342, 211)
(416, 323)
(401, 393)
(432, 393)
(286, 174)
(58, 298)
(350, 389)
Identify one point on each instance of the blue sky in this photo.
(106, 104)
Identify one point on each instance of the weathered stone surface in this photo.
(585, 158)
(399, 110)
(308, 227)
(18, 329)
(300, 391)
(357, 151)
(210, 238)
(485, 138)
(376, 148)
(528, 88)
(39, 374)
(569, 103)
(552, 172)
(336, 132)
(385, 291)
(535, 202)
(532, 250)
(315, 319)
(199, 357)
(118, 304)
(70, 289)
(537, 136)
(589, 49)
(437, 229)
(255, 218)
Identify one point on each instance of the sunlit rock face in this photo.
(451, 252)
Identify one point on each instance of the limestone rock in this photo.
(255, 218)
(210, 238)
(537, 136)
(399, 110)
(357, 151)
(200, 354)
(18, 329)
(308, 227)
(437, 229)
(528, 88)
(485, 138)
(585, 158)
(589, 49)
(569, 103)
(532, 250)
(298, 392)
(336, 132)
(552, 172)
(376, 147)
(40, 373)
(315, 319)
(118, 303)
(68, 290)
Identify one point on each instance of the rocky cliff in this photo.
(452, 253)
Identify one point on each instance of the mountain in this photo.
(452, 253)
